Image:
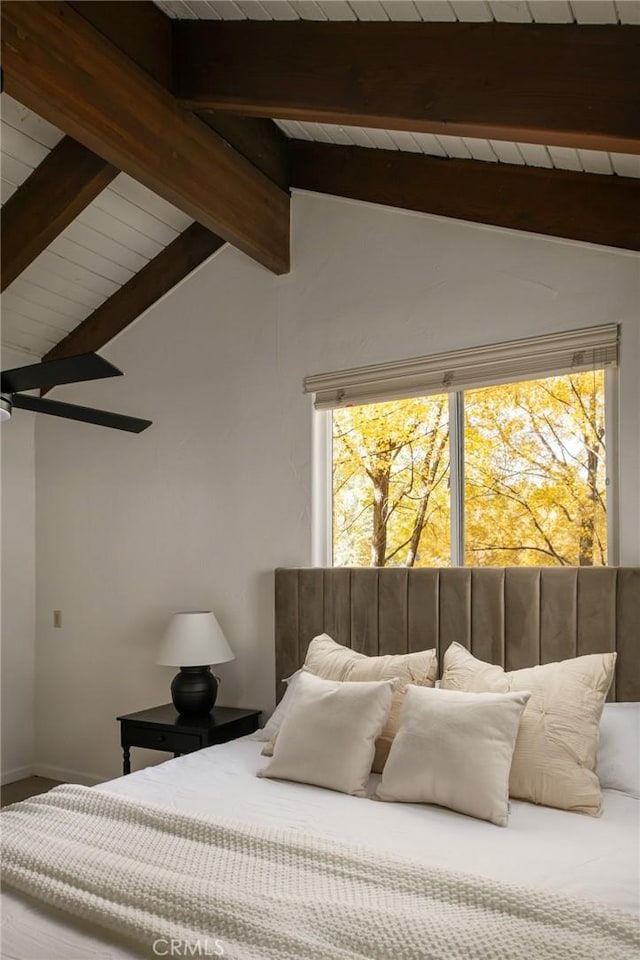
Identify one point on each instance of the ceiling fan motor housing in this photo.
(5, 406)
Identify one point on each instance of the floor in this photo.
(21, 789)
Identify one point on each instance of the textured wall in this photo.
(18, 587)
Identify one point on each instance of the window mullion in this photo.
(456, 476)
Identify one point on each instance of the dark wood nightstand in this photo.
(163, 728)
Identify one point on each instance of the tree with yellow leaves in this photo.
(534, 465)
(390, 473)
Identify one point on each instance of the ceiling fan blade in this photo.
(52, 373)
(71, 411)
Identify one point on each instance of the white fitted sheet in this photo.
(595, 858)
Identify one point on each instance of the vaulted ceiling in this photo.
(138, 138)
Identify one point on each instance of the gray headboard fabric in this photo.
(513, 616)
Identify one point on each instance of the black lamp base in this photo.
(194, 690)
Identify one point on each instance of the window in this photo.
(391, 484)
(510, 474)
(534, 468)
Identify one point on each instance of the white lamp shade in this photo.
(194, 639)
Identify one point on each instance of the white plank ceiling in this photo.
(507, 11)
(494, 151)
(113, 238)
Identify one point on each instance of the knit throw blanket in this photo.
(248, 892)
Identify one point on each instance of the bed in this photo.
(513, 617)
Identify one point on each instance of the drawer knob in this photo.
(161, 738)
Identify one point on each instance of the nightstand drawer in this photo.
(160, 740)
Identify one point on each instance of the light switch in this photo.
(57, 618)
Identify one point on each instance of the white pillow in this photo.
(332, 661)
(454, 749)
(274, 722)
(328, 735)
(554, 762)
(618, 765)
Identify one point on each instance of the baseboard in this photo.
(18, 773)
(67, 776)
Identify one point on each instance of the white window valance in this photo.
(531, 359)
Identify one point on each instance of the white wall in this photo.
(198, 510)
(17, 662)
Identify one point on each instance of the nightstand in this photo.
(163, 728)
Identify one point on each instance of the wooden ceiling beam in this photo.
(59, 189)
(144, 33)
(138, 28)
(257, 139)
(556, 84)
(159, 276)
(560, 203)
(61, 67)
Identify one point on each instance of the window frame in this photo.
(322, 476)
(612, 434)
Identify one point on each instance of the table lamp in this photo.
(193, 641)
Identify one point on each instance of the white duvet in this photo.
(586, 857)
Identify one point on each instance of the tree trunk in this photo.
(416, 533)
(380, 518)
(588, 513)
(430, 468)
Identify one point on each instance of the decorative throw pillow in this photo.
(618, 766)
(328, 735)
(273, 724)
(455, 749)
(555, 756)
(332, 661)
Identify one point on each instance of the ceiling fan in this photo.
(53, 373)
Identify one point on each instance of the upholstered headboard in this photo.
(514, 616)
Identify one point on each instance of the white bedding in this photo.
(584, 856)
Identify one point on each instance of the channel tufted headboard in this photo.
(514, 616)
